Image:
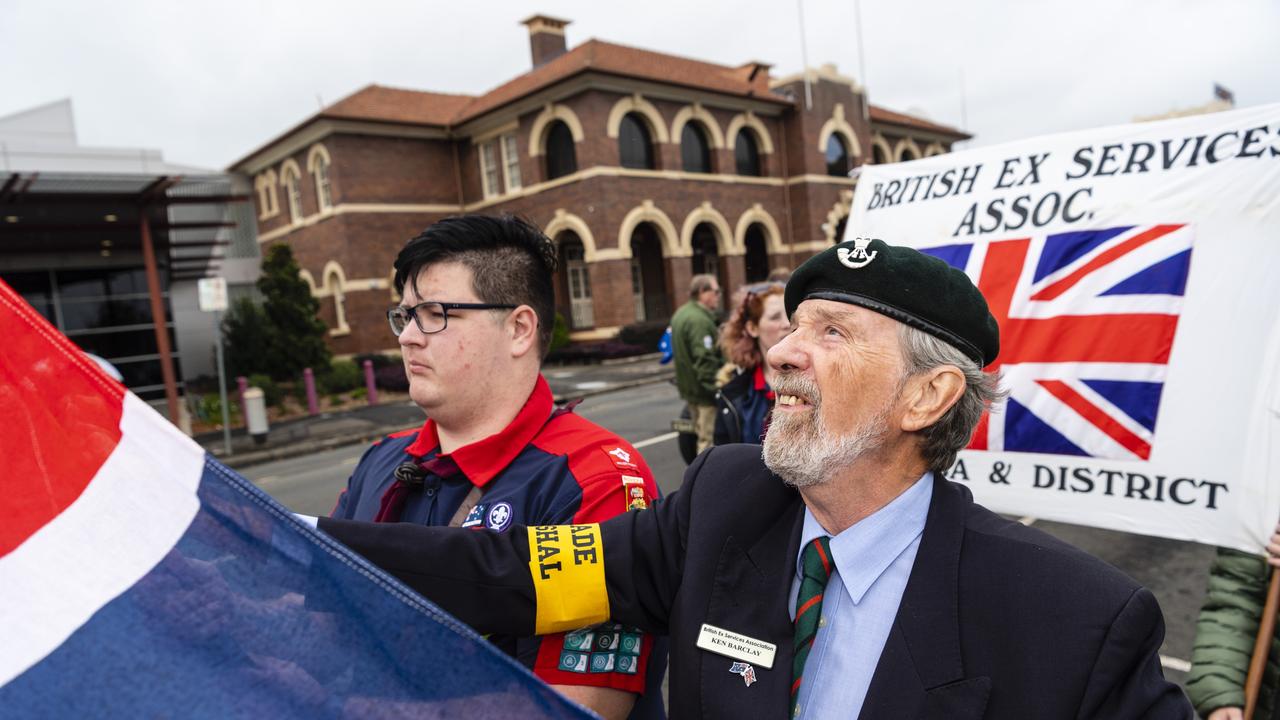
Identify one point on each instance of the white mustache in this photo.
(798, 385)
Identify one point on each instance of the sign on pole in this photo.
(1135, 274)
(213, 294)
(213, 298)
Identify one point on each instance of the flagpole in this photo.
(1261, 646)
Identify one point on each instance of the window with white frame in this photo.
(293, 191)
(489, 169)
(511, 162)
(321, 172)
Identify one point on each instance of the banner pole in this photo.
(1261, 646)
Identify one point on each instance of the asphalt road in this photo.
(1174, 571)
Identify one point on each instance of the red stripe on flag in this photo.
(1133, 243)
(1136, 338)
(62, 420)
(980, 438)
(1098, 417)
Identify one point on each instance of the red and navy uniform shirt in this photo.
(540, 470)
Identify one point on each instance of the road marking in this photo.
(349, 461)
(655, 440)
(267, 480)
(1028, 520)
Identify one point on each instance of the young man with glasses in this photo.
(474, 324)
(697, 357)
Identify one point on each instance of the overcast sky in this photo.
(207, 83)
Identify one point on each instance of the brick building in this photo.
(645, 168)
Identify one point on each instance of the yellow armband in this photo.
(567, 566)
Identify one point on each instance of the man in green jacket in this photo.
(697, 354)
(1225, 633)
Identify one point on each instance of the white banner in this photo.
(1135, 273)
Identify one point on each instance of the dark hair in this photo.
(511, 261)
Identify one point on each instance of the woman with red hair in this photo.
(745, 399)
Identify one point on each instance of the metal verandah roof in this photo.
(67, 212)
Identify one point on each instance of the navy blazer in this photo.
(997, 620)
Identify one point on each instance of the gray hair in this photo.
(941, 441)
(699, 284)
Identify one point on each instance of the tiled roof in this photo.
(630, 62)
(884, 115)
(376, 102)
(417, 107)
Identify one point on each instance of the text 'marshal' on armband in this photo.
(566, 563)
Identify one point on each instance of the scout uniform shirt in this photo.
(548, 466)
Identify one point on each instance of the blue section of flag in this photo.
(1138, 400)
(665, 347)
(255, 615)
(1024, 432)
(1167, 277)
(1065, 248)
(957, 256)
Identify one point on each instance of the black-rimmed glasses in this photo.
(432, 317)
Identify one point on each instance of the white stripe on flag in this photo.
(129, 517)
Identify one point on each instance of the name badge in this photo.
(738, 647)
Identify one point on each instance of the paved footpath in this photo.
(329, 430)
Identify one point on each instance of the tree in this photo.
(246, 332)
(292, 336)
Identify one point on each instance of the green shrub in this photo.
(342, 375)
(559, 334)
(379, 360)
(645, 334)
(271, 392)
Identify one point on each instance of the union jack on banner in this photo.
(1087, 321)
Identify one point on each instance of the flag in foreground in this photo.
(142, 578)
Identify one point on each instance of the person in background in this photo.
(1225, 633)
(779, 275)
(693, 337)
(745, 399)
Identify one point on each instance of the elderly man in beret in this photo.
(839, 575)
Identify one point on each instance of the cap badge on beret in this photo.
(858, 256)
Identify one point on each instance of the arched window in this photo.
(320, 171)
(746, 154)
(877, 155)
(757, 257)
(577, 281)
(706, 255)
(634, 145)
(695, 152)
(292, 191)
(837, 157)
(561, 157)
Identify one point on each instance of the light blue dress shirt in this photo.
(873, 561)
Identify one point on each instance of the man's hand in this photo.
(1273, 548)
(1226, 713)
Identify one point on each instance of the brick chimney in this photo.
(546, 38)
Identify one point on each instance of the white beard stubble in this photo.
(802, 450)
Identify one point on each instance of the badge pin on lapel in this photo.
(858, 256)
(747, 672)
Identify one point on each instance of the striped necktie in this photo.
(816, 566)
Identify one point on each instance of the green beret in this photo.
(905, 284)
